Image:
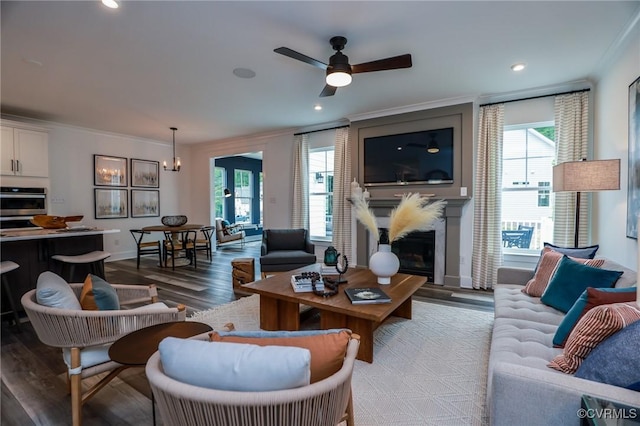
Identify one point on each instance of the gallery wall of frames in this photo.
(124, 187)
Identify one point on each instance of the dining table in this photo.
(175, 234)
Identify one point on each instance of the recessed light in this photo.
(317, 107)
(111, 4)
(518, 67)
(244, 73)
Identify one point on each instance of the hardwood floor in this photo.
(33, 375)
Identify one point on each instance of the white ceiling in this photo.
(150, 65)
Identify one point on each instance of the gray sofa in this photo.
(521, 389)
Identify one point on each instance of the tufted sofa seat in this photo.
(521, 389)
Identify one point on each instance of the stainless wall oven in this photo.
(18, 205)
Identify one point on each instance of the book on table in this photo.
(367, 295)
(302, 284)
(328, 269)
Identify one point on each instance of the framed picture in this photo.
(109, 171)
(633, 187)
(111, 203)
(145, 203)
(145, 173)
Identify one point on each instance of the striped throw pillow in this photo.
(594, 327)
(547, 268)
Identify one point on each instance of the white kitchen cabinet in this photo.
(24, 152)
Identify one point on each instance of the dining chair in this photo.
(204, 244)
(145, 247)
(173, 247)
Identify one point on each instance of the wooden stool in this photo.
(8, 266)
(94, 259)
(243, 272)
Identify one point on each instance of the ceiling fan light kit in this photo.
(339, 71)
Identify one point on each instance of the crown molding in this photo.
(412, 108)
(618, 44)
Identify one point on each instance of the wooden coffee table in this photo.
(280, 305)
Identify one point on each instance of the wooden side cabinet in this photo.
(25, 152)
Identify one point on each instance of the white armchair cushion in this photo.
(53, 291)
(150, 306)
(235, 366)
(89, 357)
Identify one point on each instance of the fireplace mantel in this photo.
(452, 215)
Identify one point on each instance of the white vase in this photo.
(384, 264)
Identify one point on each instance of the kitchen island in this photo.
(32, 250)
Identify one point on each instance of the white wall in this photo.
(611, 138)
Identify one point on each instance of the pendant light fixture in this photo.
(176, 160)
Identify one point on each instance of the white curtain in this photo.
(341, 190)
(487, 237)
(572, 139)
(300, 210)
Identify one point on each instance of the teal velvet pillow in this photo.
(235, 366)
(98, 295)
(571, 279)
(615, 361)
(579, 308)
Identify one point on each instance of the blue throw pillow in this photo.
(615, 361)
(53, 291)
(578, 309)
(579, 252)
(98, 295)
(571, 279)
(235, 366)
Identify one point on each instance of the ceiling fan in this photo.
(432, 147)
(339, 70)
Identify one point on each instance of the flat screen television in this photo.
(424, 157)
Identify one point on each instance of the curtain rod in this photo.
(320, 130)
(537, 97)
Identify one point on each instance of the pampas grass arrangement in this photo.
(414, 213)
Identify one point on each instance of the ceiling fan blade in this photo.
(300, 57)
(328, 91)
(402, 61)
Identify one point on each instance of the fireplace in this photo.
(416, 253)
(420, 253)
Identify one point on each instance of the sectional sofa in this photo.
(522, 389)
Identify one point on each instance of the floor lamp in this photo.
(585, 176)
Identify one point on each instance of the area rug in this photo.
(430, 370)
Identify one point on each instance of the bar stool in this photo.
(8, 266)
(94, 259)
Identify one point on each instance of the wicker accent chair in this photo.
(80, 332)
(326, 402)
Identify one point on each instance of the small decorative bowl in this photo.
(178, 220)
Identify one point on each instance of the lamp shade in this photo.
(586, 176)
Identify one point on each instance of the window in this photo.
(243, 180)
(528, 155)
(321, 193)
(220, 179)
